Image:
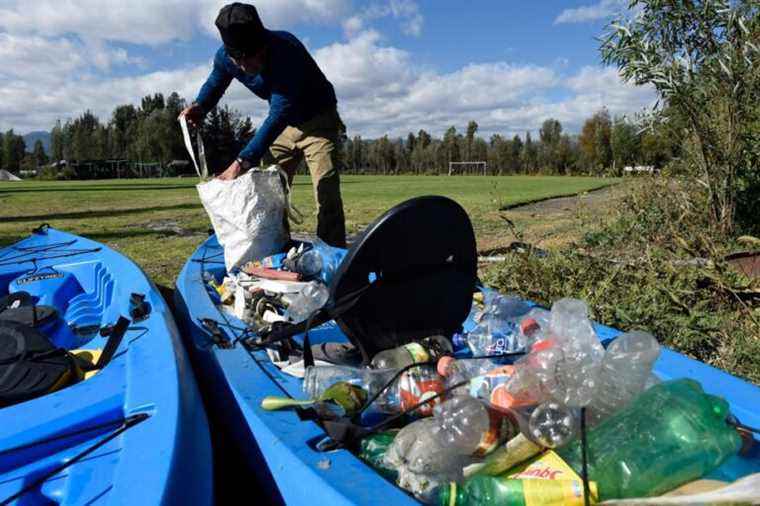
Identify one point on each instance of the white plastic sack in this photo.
(247, 214)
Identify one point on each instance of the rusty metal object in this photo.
(746, 262)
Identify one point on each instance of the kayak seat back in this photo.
(416, 270)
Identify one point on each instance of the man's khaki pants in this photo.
(318, 142)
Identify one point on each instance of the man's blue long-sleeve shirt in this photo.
(290, 81)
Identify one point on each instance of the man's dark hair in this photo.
(241, 29)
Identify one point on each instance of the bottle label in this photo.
(550, 467)
(418, 352)
(417, 387)
(500, 430)
(554, 493)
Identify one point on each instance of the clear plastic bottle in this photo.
(625, 370)
(552, 424)
(671, 434)
(569, 368)
(410, 388)
(320, 378)
(496, 332)
(428, 452)
(313, 296)
(483, 376)
(428, 349)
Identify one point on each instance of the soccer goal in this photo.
(473, 168)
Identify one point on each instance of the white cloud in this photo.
(406, 11)
(601, 10)
(381, 88)
(381, 91)
(150, 22)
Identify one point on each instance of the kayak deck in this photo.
(134, 432)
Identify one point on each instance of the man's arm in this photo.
(273, 125)
(215, 86)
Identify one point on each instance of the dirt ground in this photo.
(550, 223)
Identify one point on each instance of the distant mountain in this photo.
(32, 137)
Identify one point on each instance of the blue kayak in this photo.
(132, 429)
(279, 448)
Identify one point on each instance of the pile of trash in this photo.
(510, 412)
(286, 287)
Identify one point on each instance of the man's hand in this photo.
(232, 171)
(193, 113)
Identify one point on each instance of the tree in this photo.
(56, 142)
(38, 154)
(451, 146)
(550, 135)
(702, 57)
(624, 142)
(14, 149)
(515, 154)
(594, 142)
(472, 128)
(529, 155)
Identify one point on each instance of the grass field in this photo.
(159, 222)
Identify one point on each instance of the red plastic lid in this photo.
(529, 325)
(444, 365)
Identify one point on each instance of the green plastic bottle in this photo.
(671, 434)
(372, 451)
(500, 490)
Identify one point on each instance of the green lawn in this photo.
(159, 222)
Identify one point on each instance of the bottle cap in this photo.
(529, 326)
(444, 365)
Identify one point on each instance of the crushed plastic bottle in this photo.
(569, 368)
(313, 296)
(428, 349)
(434, 450)
(409, 389)
(671, 434)
(625, 371)
(496, 332)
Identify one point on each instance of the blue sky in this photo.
(397, 65)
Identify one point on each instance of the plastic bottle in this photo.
(552, 424)
(406, 391)
(319, 378)
(569, 368)
(428, 349)
(625, 370)
(308, 263)
(671, 434)
(434, 450)
(493, 491)
(483, 376)
(313, 296)
(496, 332)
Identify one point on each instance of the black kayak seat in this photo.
(30, 366)
(422, 258)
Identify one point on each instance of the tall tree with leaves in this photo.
(702, 57)
(38, 153)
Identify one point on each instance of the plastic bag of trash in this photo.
(247, 214)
